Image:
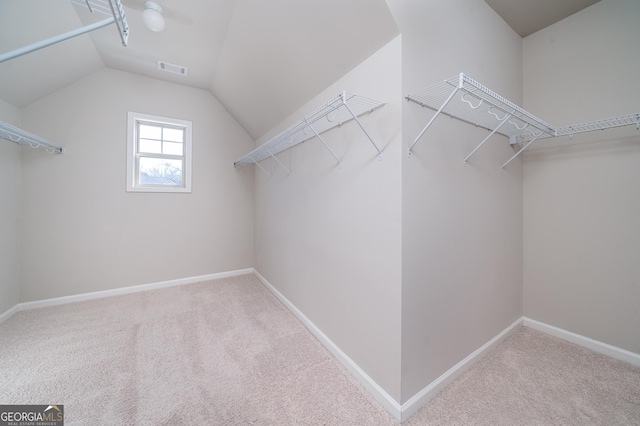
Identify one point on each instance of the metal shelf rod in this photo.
(21, 137)
(118, 18)
(53, 40)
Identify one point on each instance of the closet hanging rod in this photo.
(22, 137)
(107, 7)
(334, 113)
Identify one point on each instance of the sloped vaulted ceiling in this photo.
(262, 59)
(274, 58)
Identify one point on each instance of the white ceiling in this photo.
(529, 16)
(261, 58)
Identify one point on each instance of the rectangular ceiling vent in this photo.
(175, 69)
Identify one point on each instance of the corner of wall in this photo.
(10, 194)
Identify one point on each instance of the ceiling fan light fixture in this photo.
(152, 16)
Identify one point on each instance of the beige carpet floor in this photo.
(536, 379)
(226, 352)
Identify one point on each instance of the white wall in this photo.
(81, 232)
(582, 197)
(329, 239)
(10, 172)
(461, 225)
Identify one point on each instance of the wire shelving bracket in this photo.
(108, 7)
(334, 113)
(467, 100)
(22, 137)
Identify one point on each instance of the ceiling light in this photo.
(152, 16)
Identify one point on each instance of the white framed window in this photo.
(158, 154)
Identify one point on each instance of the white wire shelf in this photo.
(591, 126)
(113, 8)
(22, 137)
(334, 113)
(607, 123)
(467, 100)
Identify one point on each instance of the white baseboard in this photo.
(117, 292)
(400, 412)
(369, 384)
(587, 342)
(425, 395)
(9, 313)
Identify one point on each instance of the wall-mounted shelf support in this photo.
(535, 138)
(108, 7)
(504, 120)
(315, 124)
(262, 168)
(479, 106)
(279, 162)
(325, 144)
(438, 112)
(22, 137)
(355, 117)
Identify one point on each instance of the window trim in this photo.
(133, 118)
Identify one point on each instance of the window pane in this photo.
(150, 132)
(158, 153)
(172, 148)
(173, 135)
(153, 147)
(160, 171)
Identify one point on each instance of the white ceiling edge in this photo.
(527, 16)
(275, 59)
